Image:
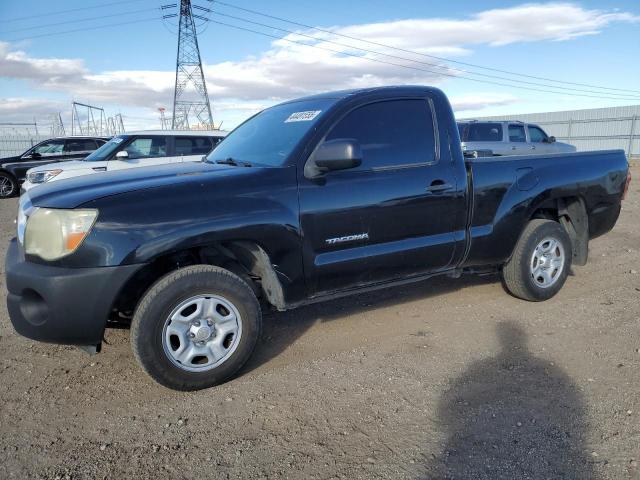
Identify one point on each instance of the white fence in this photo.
(599, 133)
(590, 129)
(15, 144)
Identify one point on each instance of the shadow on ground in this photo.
(280, 330)
(512, 416)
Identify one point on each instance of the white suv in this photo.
(131, 150)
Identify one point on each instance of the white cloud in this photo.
(287, 70)
(16, 109)
(479, 101)
(530, 22)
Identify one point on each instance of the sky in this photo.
(121, 56)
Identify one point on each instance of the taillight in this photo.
(626, 185)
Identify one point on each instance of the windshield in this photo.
(269, 137)
(105, 151)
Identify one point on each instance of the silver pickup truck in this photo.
(508, 138)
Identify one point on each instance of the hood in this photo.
(9, 159)
(68, 165)
(567, 147)
(73, 192)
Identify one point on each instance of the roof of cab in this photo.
(82, 137)
(179, 133)
(397, 89)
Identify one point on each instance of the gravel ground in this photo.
(443, 379)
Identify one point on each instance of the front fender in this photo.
(251, 204)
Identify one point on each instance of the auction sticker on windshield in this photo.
(303, 116)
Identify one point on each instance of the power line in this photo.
(86, 19)
(237, 27)
(59, 12)
(255, 12)
(85, 29)
(622, 96)
(604, 95)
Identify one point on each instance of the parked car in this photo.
(13, 169)
(131, 150)
(509, 138)
(306, 201)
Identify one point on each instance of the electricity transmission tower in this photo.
(190, 98)
(115, 125)
(57, 127)
(164, 121)
(91, 120)
(79, 111)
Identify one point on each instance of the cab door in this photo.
(50, 151)
(538, 140)
(192, 149)
(142, 151)
(518, 139)
(78, 148)
(395, 215)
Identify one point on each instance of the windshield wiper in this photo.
(234, 162)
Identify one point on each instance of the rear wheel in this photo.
(196, 327)
(8, 185)
(540, 262)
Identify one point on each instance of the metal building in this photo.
(591, 129)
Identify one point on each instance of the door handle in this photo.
(513, 148)
(99, 169)
(439, 186)
(533, 147)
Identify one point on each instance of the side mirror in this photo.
(552, 139)
(338, 154)
(34, 155)
(122, 155)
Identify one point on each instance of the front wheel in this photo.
(540, 262)
(8, 185)
(196, 327)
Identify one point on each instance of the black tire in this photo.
(517, 272)
(155, 307)
(8, 185)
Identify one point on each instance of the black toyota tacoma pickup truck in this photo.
(311, 199)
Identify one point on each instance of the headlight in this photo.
(53, 233)
(24, 210)
(42, 176)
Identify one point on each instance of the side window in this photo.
(193, 145)
(391, 133)
(537, 135)
(516, 133)
(80, 146)
(147, 147)
(462, 130)
(46, 149)
(484, 132)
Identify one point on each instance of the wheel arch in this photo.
(9, 172)
(571, 213)
(247, 259)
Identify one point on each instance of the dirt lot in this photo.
(444, 379)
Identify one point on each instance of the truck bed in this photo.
(505, 188)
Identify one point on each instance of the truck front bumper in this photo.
(61, 305)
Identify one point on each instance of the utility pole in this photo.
(190, 98)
